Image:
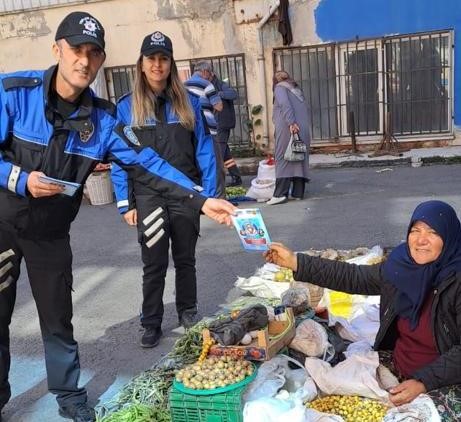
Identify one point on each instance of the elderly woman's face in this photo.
(424, 243)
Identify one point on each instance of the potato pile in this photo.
(350, 408)
(214, 372)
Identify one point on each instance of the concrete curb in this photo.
(249, 166)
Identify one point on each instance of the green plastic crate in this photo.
(223, 407)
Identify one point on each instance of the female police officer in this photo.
(52, 124)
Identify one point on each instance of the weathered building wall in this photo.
(198, 28)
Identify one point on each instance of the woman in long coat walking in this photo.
(290, 115)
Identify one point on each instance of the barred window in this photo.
(401, 84)
(230, 68)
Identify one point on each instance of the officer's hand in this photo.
(219, 210)
(131, 217)
(38, 189)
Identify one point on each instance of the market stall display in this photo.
(264, 344)
(226, 370)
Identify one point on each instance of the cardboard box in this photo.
(268, 343)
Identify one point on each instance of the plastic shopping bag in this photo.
(421, 409)
(345, 305)
(357, 375)
(312, 340)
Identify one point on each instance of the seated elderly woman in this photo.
(420, 311)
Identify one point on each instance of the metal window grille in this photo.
(313, 68)
(418, 83)
(18, 5)
(230, 68)
(402, 82)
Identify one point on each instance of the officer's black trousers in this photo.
(181, 225)
(49, 267)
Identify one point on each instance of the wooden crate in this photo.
(263, 347)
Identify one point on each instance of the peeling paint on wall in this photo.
(186, 9)
(32, 24)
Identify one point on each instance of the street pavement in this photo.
(344, 208)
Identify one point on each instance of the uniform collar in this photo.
(81, 119)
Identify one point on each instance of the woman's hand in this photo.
(131, 217)
(294, 128)
(219, 210)
(279, 254)
(406, 391)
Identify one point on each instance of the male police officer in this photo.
(52, 124)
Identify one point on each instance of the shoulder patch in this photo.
(20, 82)
(131, 136)
(106, 105)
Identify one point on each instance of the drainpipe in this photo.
(262, 69)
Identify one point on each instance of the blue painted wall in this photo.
(341, 20)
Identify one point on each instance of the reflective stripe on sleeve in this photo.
(123, 203)
(14, 177)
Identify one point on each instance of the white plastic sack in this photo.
(261, 287)
(266, 409)
(354, 376)
(421, 409)
(269, 380)
(312, 340)
(362, 327)
(283, 410)
(275, 374)
(266, 171)
(261, 189)
(357, 348)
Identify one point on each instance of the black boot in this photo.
(234, 172)
(236, 181)
(151, 337)
(78, 412)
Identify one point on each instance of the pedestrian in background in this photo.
(290, 115)
(164, 116)
(226, 122)
(211, 103)
(52, 124)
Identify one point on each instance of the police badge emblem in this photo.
(131, 136)
(86, 134)
(157, 38)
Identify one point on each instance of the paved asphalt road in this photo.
(345, 208)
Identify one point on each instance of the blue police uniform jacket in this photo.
(33, 137)
(191, 152)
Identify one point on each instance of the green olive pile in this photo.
(350, 408)
(214, 372)
(284, 274)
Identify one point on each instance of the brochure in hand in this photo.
(69, 187)
(251, 229)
